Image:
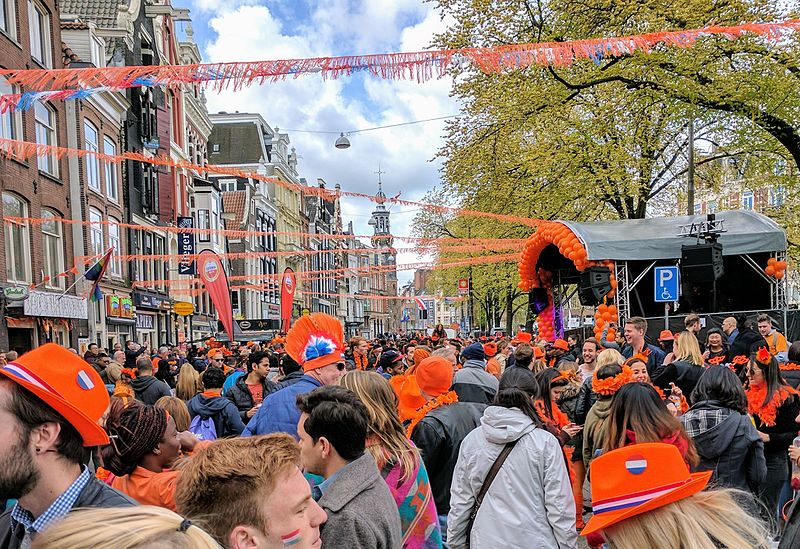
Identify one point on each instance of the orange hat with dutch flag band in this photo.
(66, 383)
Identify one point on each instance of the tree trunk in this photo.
(510, 310)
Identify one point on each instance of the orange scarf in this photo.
(560, 419)
(442, 400)
(768, 412)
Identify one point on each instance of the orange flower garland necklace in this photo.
(442, 400)
(611, 385)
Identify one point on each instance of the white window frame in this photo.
(8, 18)
(204, 222)
(11, 248)
(96, 237)
(748, 200)
(53, 238)
(115, 241)
(40, 41)
(98, 52)
(111, 170)
(91, 164)
(46, 134)
(11, 121)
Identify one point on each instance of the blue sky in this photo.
(237, 30)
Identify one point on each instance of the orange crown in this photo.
(315, 341)
(611, 385)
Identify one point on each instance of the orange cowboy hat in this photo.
(636, 479)
(66, 383)
(561, 345)
(490, 349)
(521, 337)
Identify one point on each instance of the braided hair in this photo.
(135, 430)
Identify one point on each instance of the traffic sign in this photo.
(183, 308)
(667, 284)
(463, 286)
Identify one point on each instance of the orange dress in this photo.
(149, 488)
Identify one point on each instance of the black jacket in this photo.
(728, 444)
(240, 395)
(586, 399)
(289, 379)
(438, 436)
(682, 373)
(792, 377)
(791, 532)
(149, 389)
(747, 341)
(95, 494)
(131, 356)
(783, 432)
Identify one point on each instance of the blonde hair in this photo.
(705, 520)
(386, 439)
(687, 348)
(609, 356)
(123, 528)
(188, 383)
(114, 372)
(177, 409)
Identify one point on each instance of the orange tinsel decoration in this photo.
(441, 400)
(611, 385)
(767, 413)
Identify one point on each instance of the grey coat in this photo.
(361, 510)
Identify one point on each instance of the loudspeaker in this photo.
(538, 300)
(595, 284)
(702, 262)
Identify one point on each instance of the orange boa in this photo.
(790, 366)
(611, 385)
(560, 419)
(768, 412)
(442, 400)
(361, 361)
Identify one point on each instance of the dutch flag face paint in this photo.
(636, 465)
(291, 538)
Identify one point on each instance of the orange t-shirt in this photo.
(149, 488)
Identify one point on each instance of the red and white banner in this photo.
(212, 273)
(288, 288)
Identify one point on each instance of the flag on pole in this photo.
(95, 274)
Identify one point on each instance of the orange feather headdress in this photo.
(315, 341)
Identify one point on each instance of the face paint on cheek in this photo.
(291, 538)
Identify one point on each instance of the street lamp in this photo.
(342, 142)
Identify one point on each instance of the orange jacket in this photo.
(149, 488)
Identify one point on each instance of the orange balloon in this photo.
(780, 274)
(771, 261)
(770, 270)
(782, 265)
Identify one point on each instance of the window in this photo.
(98, 52)
(8, 18)
(226, 185)
(115, 242)
(17, 240)
(11, 121)
(46, 135)
(747, 200)
(777, 196)
(53, 244)
(39, 28)
(712, 206)
(215, 148)
(90, 161)
(203, 221)
(96, 232)
(110, 149)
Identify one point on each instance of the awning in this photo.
(747, 232)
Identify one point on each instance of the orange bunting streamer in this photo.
(24, 150)
(420, 66)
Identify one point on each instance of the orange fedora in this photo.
(66, 383)
(636, 479)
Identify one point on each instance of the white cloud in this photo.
(256, 32)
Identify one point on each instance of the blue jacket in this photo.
(278, 412)
(655, 359)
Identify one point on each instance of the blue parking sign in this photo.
(667, 284)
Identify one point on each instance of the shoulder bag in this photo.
(487, 482)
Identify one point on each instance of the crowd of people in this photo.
(413, 441)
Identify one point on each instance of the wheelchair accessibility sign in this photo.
(667, 284)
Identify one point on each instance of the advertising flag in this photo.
(212, 273)
(288, 288)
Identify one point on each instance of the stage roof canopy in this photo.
(747, 232)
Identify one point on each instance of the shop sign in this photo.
(183, 308)
(119, 307)
(150, 301)
(254, 325)
(16, 293)
(273, 311)
(55, 305)
(186, 247)
(144, 322)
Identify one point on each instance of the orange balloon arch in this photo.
(570, 247)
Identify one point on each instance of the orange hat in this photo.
(409, 400)
(420, 355)
(561, 344)
(521, 337)
(538, 352)
(434, 375)
(315, 341)
(490, 348)
(666, 335)
(636, 479)
(67, 384)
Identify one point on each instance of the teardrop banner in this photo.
(288, 288)
(212, 273)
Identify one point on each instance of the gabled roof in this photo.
(102, 12)
(238, 142)
(234, 202)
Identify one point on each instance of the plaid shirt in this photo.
(60, 507)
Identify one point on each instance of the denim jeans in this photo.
(443, 528)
